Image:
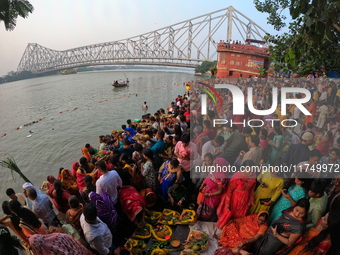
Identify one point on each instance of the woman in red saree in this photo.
(243, 231)
(132, 203)
(239, 195)
(84, 169)
(60, 197)
(75, 166)
(50, 186)
(325, 143)
(211, 189)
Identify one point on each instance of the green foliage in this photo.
(18, 76)
(10, 164)
(205, 66)
(263, 72)
(313, 38)
(11, 9)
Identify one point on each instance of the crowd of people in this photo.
(150, 163)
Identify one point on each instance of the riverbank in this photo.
(57, 142)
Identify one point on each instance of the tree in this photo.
(313, 40)
(263, 72)
(11, 9)
(205, 66)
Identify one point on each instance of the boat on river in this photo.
(120, 83)
(68, 71)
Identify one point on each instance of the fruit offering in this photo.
(187, 216)
(162, 232)
(169, 217)
(144, 232)
(158, 252)
(135, 246)
(153, 217)
(158, 245)
(188, 252)
(197, 241)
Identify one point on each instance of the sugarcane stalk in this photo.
(10, 163)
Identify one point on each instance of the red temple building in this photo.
(241, 60)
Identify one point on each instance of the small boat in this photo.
(120, 83)
(69, 71)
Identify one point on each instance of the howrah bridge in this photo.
(185, 44)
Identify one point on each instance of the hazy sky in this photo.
(65, 24)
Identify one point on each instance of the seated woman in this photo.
(169, 173)
(50, 187)
(84, 169)
(211, 189)
(69, 183)
(133, 204)
(73, 214)
(10, 245)
(75, 166)
(60, 197)
(241, 232)
(296, 191)
(29, 222)
(178, 197)
(12, 221)
(318, 239)
(57, 243)
(105, 209)
(285, 231)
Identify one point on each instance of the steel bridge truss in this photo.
(185, 44)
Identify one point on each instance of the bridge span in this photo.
(185, 44)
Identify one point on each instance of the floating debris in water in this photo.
(29, 136)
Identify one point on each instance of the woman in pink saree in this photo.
(211, 189)
(239, 195)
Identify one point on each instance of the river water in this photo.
(74, 110)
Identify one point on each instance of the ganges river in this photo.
(74, 110)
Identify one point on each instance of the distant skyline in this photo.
(66, 24)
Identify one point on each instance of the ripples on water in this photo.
(57, 142)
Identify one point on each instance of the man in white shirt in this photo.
(296, 113)
(96, 232)
(215, 147)
(16, 196)
(108, 182)
(323, 110)
(42, 206)
(154, 123)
